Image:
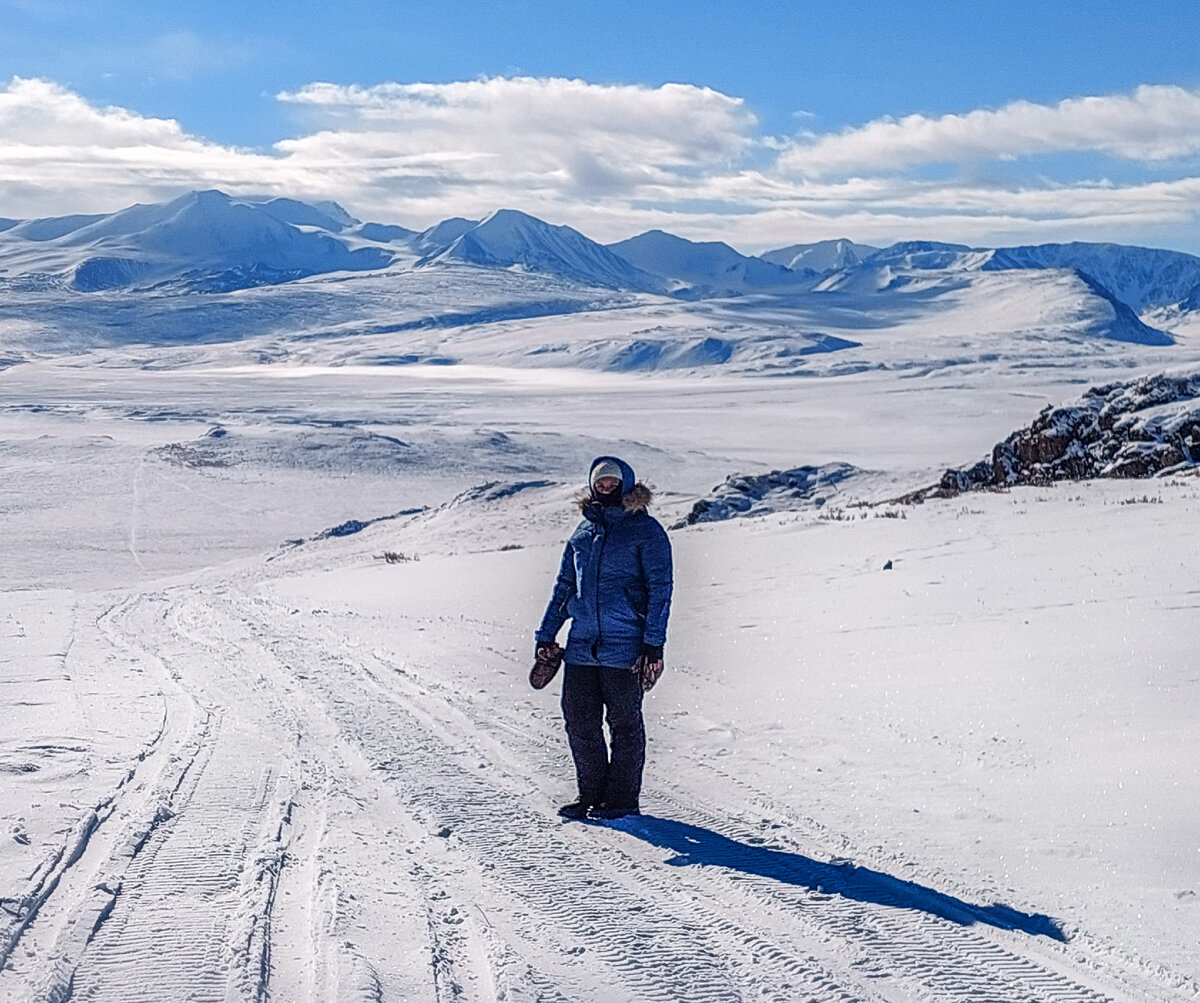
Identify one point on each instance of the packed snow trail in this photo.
(323, 817)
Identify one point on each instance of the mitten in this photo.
(649, 665)
(546, 665)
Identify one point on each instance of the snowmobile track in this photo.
(745, 908)
(498, 830)
(168, 878)
(898, 945)
(77, 896)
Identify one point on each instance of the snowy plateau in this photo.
(283, 493)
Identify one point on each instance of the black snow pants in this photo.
(588, 691)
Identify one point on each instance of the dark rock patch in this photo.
(761, 494)
(1120, 430)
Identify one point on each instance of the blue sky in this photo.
(974, 122)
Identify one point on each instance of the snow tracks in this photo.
(323, 818)
(137, 904)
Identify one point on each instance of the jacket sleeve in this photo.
(564, 587)
(656, 566)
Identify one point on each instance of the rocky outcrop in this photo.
(1136, 429)
(761, 494)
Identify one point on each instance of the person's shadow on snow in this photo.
(695, 845)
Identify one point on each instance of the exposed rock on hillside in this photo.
(1136, 429)
(761, 494)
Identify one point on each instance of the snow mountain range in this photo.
(204, 241)
(1140, 277)
(209, 241)
(804, 297)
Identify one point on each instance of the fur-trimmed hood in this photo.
(614, 582)
(635, 496)
(637, 499)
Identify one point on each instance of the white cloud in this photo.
(1154, 123)
(609, 160)
(40, 113)
(543, 135)
(59, 153)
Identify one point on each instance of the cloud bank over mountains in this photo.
(1151, 125)
(619, 159)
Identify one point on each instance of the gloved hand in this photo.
(649, 665)
(548, 658)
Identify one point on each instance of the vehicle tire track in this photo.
(77, 895)
(930, 955)
(500, 828)
(314, 851)
(172, 884)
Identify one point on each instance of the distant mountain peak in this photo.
(204, 239)
(1141, 277)
(325, 215)
(509, 237)
(513, 216)
(822, 255)
(704, 268)
(334, 210)
(441, 235)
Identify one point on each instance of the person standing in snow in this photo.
(614, 585)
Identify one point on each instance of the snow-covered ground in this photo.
(246, 759)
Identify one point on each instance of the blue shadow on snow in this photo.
(695, 845)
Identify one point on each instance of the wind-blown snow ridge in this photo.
(327, 215)
(352, 526)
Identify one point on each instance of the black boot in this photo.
(608, 812)
(575, 810)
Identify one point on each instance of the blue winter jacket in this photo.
(614, 582)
